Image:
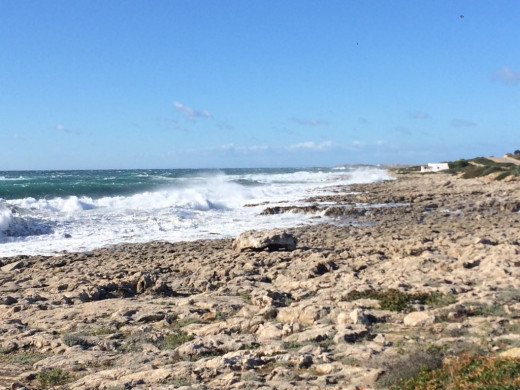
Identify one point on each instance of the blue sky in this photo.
(179, 84)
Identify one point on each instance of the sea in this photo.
(52, 212)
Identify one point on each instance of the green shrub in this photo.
(467, 372)
(204, 354)
(481, 166)
(53, 377)
(412, 169)
(408, 365)
(23, 357)
(102, 331)
(173, 340)
(489, 310)
(246, 296)
(477, 171)
(396, 300)
(458, 166)
(71, 340)
(483, 161)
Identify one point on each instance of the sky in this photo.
(245, 83)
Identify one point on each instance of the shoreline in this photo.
(172, 207)
(197, 313)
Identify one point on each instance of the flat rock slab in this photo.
(12, 266)
(272, 240)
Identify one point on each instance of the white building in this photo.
(435, 167)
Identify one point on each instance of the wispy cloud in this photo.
(419, 115)
(310, 145)
(462, 123)
(245, 149)
(507, 76)
(310, 122)
(190, 112)
(170, 124)
(63, 129)
(230, 147)
(239, 148)
(225, 126)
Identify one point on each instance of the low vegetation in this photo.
(53, 377)
(22, 357)
(406, 366)
(396, 300)
(466, 372)
(71, 340)
(481, 166)
(477, 167)
(412, 169)
(173, 340)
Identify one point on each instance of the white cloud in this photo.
(462, 123)
(507, 76)
(191, 112)
(310, 122)
(239, 149)
(310, 145)
(63, 129)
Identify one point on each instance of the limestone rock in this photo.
(358, 316)
(419, 318)
(350, 334)
(13, 266)
(511, 353)
(271, 240)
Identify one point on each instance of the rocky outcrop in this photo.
(271, 240)
(423, 262)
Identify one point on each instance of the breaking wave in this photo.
(186, 208)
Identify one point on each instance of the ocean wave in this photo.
(6, 217)
(13, 178)
(214, 193)
(16, 222)
(196, 206)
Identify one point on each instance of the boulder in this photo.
(419, 318)
(513, 353)
(13, 266)
(271, 240)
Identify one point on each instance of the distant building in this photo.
(435, 167)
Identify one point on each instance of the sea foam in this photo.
(185, 208)
(6, 217)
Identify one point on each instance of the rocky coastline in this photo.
(401, 274)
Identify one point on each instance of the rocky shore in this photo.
(402, 274)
